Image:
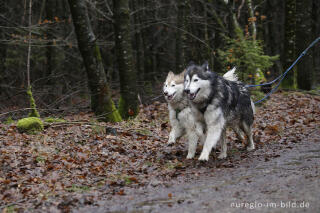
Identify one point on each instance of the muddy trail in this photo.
(276, 178)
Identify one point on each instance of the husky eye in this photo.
(173, 85)
(195, 80)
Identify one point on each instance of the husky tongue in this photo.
(192, 96)
(171, 96)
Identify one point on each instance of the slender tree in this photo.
(50, 6)
(273, 15)
(101, 103)
(289, 42)
(181, 35)
(304, 37)
(3, 45)
(316, 33)
(34, 112)
(252, 19)
(128, 105)
(147, 42)
(138, 40)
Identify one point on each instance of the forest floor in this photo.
(82, 165)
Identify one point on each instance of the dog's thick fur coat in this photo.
(181, 118)
(219, 103)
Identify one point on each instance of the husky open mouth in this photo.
(170, 97)
(193, 95)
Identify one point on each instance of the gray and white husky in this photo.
(219, 103)
(181, 118)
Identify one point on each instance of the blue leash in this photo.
(281, 77)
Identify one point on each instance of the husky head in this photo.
(173, 87)
(197, 82)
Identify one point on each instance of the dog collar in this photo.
(177, 113)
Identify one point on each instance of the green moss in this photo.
(76, 188)
(121, 107)
(10, 209)
(34, 112)
(126, 111)
(103, 106)
(115, 116)
(110, 115)
(9, 120)
(54, 120)
(30, 125)
(97, 53)
(290, 81)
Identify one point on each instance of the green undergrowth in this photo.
(9, 121)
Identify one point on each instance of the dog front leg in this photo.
(176, 128)
(176, 132)
(192, 143)
(215, 124)
(213, 136)
(200, 130)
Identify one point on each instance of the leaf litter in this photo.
(83, 161)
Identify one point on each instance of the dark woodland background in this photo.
(115, 51)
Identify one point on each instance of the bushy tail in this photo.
(231, 75)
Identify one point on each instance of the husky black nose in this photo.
(165, 93)
(187, 91)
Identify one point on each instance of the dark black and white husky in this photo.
(219, 103)
(180, 115)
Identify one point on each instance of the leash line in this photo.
(281, 77)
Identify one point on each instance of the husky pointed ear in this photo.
(191, 63)
(181, 75)
(170, 73)
(205, 66)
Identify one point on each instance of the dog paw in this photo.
(222, 155)
(250, 148)
(204, 157)
(170, 143)
(190, 156)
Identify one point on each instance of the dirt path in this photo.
(276, 178)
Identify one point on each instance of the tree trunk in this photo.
(252, 18)
(316, 33)
(3, 45)
(304, 37)
(3, 49)
(50, 49)
(138, 40)
(128, 105)
(180, 36)
(274, 33)
(289, 43)
(147, 43)
(101, 103)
